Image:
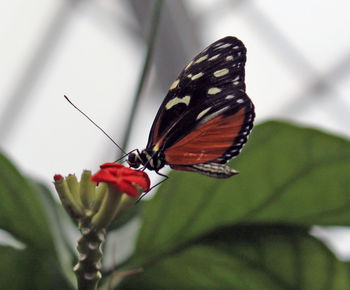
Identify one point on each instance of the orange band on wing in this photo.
(207, 142)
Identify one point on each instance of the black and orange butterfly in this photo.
(205, 118)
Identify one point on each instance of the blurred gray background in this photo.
(298, 69)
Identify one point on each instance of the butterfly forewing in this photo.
(206, 115)
(219, 65)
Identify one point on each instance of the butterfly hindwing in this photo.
(218, 138)
(206, 115)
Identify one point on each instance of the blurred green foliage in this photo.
(250, 231)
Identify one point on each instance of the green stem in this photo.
(150, 44)
(89, 264)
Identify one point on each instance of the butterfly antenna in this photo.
(86, 116)
(126, 154)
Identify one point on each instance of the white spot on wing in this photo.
(201, 114)
(213, 115)
(213, 91)
(197, 76)
(240, 101)
(214, 57)
(188, 66)
(236, 80)
(229, 97)
(185, 100)
(204, 57)
(230, 57)
(223, 46)
(174, 85)
(221, 72)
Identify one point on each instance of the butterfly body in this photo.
(205, 118)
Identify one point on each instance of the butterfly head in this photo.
(134, 160)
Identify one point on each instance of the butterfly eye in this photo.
(133, 160)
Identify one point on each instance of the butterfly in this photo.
(206, 116)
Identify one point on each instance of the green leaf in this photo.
(21, 211)
(288, 174)
(252, 257)
(62, 227)
(29, 269)
(27, 214)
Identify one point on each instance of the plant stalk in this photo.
(90, 255)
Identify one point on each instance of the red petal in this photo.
(111, 165)
(139, 180)
(103, 176)
(128, 188)
(122, 177)
(127, 171)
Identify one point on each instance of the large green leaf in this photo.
(21, 210)
(29, 269)
(28, 213)
(252, 257)
(289, 174)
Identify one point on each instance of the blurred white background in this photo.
(298, 68)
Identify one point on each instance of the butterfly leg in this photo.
(165, 178)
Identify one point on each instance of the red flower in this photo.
(122, 177)
(58, 177)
